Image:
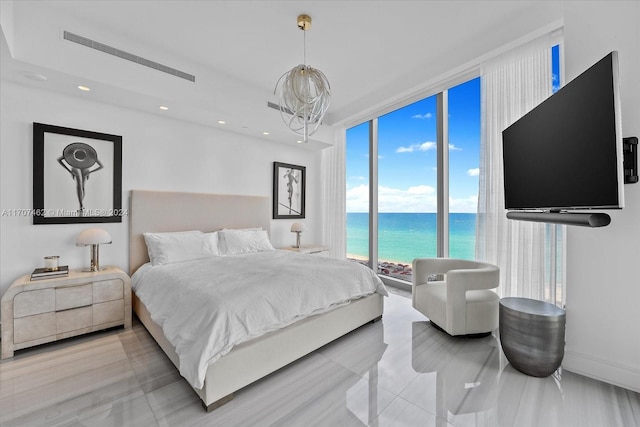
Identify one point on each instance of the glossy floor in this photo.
(397, 372)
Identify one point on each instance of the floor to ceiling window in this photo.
(408, 169)
(405, 198)
(407, 190)
(556, 233)
(464, 155)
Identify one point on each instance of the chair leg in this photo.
(438, 327)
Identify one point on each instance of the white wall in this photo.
(603, 265)
(158, 154)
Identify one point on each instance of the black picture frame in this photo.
(289, 182)
(77, 176)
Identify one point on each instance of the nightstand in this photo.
(309, 249)
(41, 311)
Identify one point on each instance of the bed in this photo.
(159, 212)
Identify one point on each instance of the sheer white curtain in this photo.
(334, 231)
(511, 85)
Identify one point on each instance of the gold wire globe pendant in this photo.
(304, 94)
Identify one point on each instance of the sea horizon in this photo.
(405, 236)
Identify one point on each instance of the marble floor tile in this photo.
(150, 365)
(311, 391)
(397, 372)
(563, 400)
(457, 376)
(394, 371)
(401, 413)
(69, 384)
(358, 352)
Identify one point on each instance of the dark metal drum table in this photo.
(532, 335)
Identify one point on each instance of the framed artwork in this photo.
(289, 182)
(77, 176)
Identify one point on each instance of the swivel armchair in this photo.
(456, 295)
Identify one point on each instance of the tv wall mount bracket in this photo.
(630, 159)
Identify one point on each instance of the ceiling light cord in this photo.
(304, 46)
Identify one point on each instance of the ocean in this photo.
(405, 236)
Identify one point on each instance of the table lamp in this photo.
(297, 227)
(93, 237)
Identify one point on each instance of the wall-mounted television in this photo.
(566, 153)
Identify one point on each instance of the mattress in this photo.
(206, 307)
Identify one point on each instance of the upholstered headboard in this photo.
(160, 211)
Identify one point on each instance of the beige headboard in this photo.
(160, 211)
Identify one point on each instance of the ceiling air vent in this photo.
(126, 55)
(277, 107)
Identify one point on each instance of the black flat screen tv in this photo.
(566, 153)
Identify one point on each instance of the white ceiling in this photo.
(370, 50)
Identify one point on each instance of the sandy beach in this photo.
(393, 269)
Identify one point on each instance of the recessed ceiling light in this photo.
(265, 133)
(299, 141)
(84, 88)
(162, 107)
(221, 122)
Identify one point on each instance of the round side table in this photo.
(532, 335)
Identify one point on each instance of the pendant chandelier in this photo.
(304, 93)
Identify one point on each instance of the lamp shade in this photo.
(298, 226)
(93, 236)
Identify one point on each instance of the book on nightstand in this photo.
(43, 273)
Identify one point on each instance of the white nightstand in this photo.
(309, 249)
(41, 311)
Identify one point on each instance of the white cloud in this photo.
(468, 205)
(425, 146)
(421, 189)
(358, 198)
(414, 199)
(422, 116)
(419, 198)
(474, 172)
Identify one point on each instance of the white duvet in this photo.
(207, 306)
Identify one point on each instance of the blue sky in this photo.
(407, 156)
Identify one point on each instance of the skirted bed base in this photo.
(255, 359)
(153, 211)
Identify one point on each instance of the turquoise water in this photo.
(405, 236)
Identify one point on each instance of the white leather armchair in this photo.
(456, 294)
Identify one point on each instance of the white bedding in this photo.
(207, 306)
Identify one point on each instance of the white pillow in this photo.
(236, 242)
(166, 248)
(222, 246)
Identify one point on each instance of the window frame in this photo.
(442, 173)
